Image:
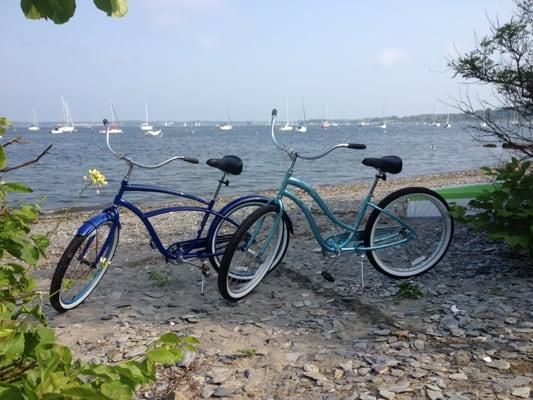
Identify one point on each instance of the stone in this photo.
(222, 392)
(502, 365)
(175, 395)
(188, 358)
(459, 376)
(419, 345)
(522, 392)
(434, 394)
(386, 394)
(382, 332)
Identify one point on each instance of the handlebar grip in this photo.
(192, 160)
(274, 112)
(356, 146)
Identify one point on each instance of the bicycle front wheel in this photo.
(251, 253)
(82, 266)
(227, 227)
(415, 230)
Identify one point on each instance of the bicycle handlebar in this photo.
(314, 157)
(189, 159)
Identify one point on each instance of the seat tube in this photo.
(220, 182)
(367, 199)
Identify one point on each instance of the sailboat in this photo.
(383, 124)
(226, 126)
(287, 126)
(326, 124)
(145, 126)
(302, 128)
(68, 124)
(153, 132)
(35, 124)
(447, 125)
(114, 126)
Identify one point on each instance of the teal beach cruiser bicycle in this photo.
(406, 234)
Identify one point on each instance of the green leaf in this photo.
(162, 356)
(4, 123)
(116, 391)
(85, 392)
(16, 187)
(10, 392)
(59, 11)
(2, 152)
(113, 8)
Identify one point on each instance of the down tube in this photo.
(310, 219)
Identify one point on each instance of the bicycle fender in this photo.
(245, 199)
(96, 220)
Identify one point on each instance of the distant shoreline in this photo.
(337, 191)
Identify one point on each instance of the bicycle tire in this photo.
(240, 271)
(224, 230)
(427, 212)
(60, 282)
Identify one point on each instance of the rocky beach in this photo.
(463, 330)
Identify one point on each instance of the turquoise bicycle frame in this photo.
(351, 240)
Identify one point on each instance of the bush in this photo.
(506, 211)
(32, 364)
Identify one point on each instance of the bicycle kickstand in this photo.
(361, 258)
(206, 272)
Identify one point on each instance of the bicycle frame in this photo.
(351, 240)
(192, 248)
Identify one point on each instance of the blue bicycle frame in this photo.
(192, 248)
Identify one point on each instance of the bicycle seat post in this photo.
(221, 181)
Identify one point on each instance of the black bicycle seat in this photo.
(392, 164)
(229, 164)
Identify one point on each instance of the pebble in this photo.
(522, 392)
(499, 364)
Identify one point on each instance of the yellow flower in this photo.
(104, 262)
(98, 179)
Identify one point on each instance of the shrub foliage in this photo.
(32, 364)
(506, 212)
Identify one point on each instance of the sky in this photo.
(190, 59)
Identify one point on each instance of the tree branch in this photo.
(25, 164)
(17, 139)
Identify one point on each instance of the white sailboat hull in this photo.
(62, 129)
(226, 127)
(154, 133)
(301, 129)
(286, 128)
(33, 128)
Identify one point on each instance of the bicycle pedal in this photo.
(327, 276)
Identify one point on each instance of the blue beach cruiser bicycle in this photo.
(89, 254)
(406, 234)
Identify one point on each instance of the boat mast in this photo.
(146, 111)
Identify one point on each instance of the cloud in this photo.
(390, 57)
(208, 42)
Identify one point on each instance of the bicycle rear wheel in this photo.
(82, 266)
(421, 209)
(251, 253)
